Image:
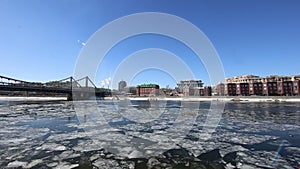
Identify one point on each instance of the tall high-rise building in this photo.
(122, 85)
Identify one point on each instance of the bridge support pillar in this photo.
(26, 93)
(69, 97)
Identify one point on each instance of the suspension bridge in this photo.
(79, 89)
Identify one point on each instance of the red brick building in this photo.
(256, 88)
(230, 89)
(296, 87)
(288, 88)
(242, 89)
(147, 90)
(205, 91)
(268, 86)
(220, 89)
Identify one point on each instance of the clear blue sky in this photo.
(41, 39)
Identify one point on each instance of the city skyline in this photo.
(41, 41)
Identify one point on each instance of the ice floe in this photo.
(16, 164)
(51, 135)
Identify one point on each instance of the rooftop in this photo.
(147, 85)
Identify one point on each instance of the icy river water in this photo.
(56, 135)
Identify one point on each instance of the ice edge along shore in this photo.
(224, 99)
(214, 98)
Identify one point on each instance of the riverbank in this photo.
(217, 98)
(211, 98)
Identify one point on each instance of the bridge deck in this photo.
(67, 86)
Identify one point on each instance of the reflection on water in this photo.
(50, 135)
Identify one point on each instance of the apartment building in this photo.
(273, 85)
(190, 87)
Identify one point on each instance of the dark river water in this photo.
(146, 134)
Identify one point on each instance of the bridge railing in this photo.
(22, 84)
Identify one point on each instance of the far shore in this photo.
(158, 98)
(216, 98)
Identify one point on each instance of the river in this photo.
(62, 134)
